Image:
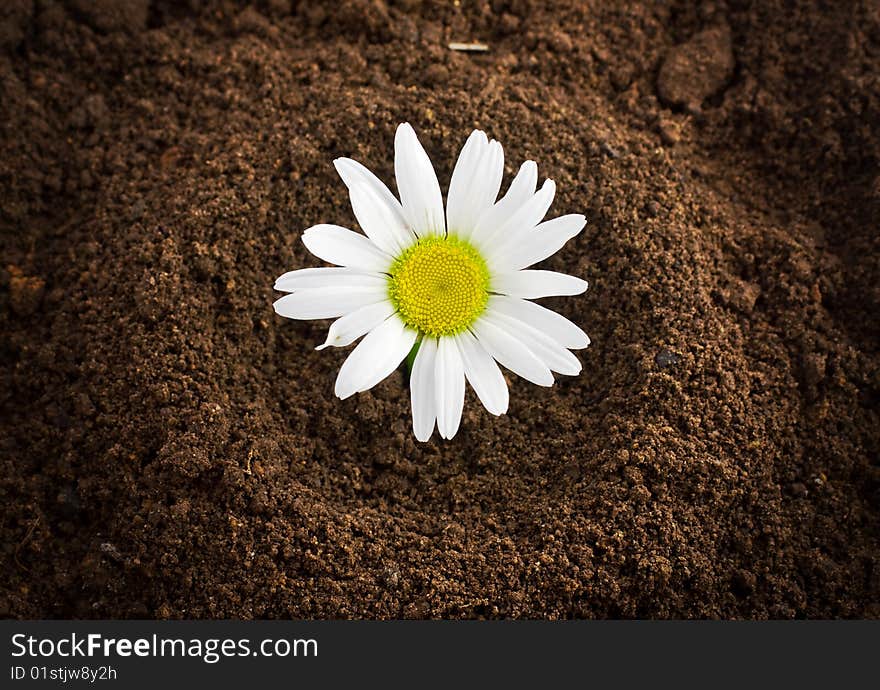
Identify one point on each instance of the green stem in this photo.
(411, 358)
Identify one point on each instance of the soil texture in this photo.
(172, 449)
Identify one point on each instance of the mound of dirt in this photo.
(171, 448)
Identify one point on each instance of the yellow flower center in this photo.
(440, 285)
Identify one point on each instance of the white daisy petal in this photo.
(375, 357)
(449, 387)
(523, 186)
(554, 325)
(533, 211)
(327, 303)
(328, 277)
(421, 383)
(535, 284)
(520, 224)
(417, 183)
(511, 353)
(353, 173)
(388, 231)
(346, 330)
(459, 214)
(536, 245)
(482, 190)
(554, 356)
(343, 247)
(521, 190)
(483, 374)
(492, 174)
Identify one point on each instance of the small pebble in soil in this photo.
(111, 551)
(669, 132)
(609, 150)
(744, 582)
(665, 358)
(798, 489)
(108, 16)
(697, 69)
(25, 292)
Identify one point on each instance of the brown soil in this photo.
(171, 448)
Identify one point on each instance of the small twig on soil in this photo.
(25, 540)
(469, 47)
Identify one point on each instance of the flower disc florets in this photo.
(440, 285)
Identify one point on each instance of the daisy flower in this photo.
(449, 287)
